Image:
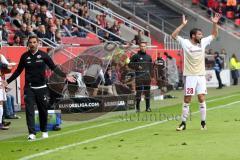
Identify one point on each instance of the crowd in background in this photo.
(228, 8)
(21, 19)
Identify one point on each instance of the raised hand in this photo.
(216, 18)
(184, 21)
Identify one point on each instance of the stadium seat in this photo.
(230, 14)
(80, 41)
(10, 38)
(237, 22)
(195, 2)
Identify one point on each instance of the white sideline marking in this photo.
(80, 129)
(216, 99)
(112, 134)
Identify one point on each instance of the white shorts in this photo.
(194, 84)
(2, 92)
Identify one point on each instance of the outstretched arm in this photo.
(215, 20)
(177, 30)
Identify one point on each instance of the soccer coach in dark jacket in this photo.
(34, 62)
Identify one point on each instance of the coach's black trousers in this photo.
(142, 87)
(38, 97)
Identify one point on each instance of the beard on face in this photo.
(197, 40)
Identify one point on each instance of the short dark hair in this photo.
(33, 37)
(194, 31)
(142, 42)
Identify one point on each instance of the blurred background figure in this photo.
(234, 67)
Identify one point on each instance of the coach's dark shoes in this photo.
(181, 127)
(203, 125)
(137, 110)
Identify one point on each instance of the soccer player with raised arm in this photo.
(194, 68)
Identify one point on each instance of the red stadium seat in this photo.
(195, 2)
(230, 14)
(10, 38)
(237, 22)
(80, 41)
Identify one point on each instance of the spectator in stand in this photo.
(64, 27)
(27, 18)
(17, 20)
(20, 8)
(146, 33)
(23, 32)
(41, 33)
(116, 30)
(108, 27)
(51, 23)
(138, 38)
(231, 5)
(4, 33)
(86, 24)
(51, 36)
(30, 31)
(34, 22)
(66, 14)
(222, 10)
(58, 10)
(58, 37)
(39, 21)
(4, 12)
(237, 13)
(84, 8)
(44, 13)
(98, 20)
(14, 10)
(107, 36)
(2, 21)
(58, 23)
(17, 41)
(32, 8)
(116, 27)
(103, 22)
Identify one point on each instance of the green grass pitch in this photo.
(147, 136)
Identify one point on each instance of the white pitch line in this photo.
(112, 134)
(72, 131)
(80, 129)
(216, 99)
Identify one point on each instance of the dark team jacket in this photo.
(35, 66)
(142, 64)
